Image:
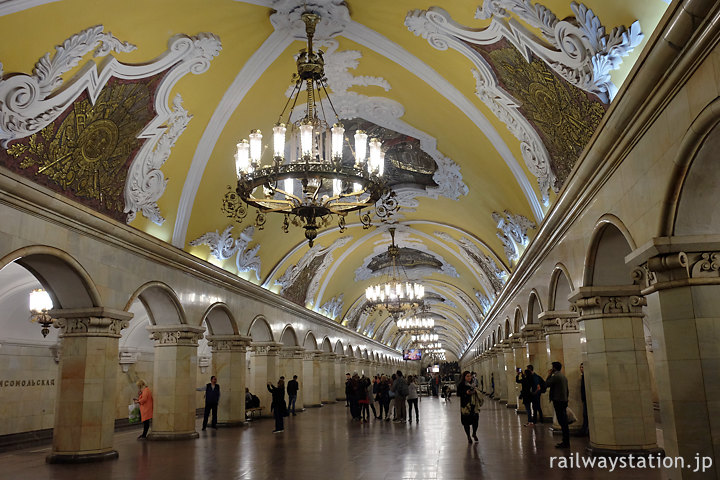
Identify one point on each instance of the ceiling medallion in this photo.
(308, 180)
(396, 296)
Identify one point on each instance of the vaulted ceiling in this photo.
(483, 108)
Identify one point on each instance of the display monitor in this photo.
(412, 354)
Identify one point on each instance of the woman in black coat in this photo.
(468, 406)
(278, 404)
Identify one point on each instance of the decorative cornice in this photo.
(90, 322)
(175, 335)
(558, 322)
(228, 343)
(266, 348)
(606, 302)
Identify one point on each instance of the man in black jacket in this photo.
(292, 389)
(212, 397)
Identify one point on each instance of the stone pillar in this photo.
(264, 368)
(510, 385)
(520, 357)
(174, 379)
(681, 282)
(537, 355)
(87, 384)
(327, 382)
(485, 369)
(617, 379)
(501, 391)
(311, 374)
(340, 371)
(562, 339)
(230, 368)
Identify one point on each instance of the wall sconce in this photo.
(127, 359)
(204, 363)
(40, 303)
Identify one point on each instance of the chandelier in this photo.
(416, 324)
(308, 180)
(395, 295)
(40, 303)
(424, 337)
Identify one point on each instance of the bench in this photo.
(251, 413)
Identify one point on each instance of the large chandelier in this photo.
(308, 180)
(424, 337)
(416, 324)
(395, 295)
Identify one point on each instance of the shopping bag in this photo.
(572, 418)
(133, 413)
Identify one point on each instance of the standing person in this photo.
(364, 399)
(469, 406)
(392, 395)
(525, 378)
(412, 399)
(278, 403)
(347, 389)
(401, 393)
(436, 385)
(538, 389)
(482, 383)
(492, 385)
(558, 384)
(145, 400)
(292, 389)
(212, 397)
(585, 430)
(384, 393)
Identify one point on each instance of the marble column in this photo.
(87, 384)
(485, 369)
(617, 379)
(174, 378)
(510, 385)
(230, 368)
(519, 360)
(311, 374)
(264, 368)
(290, 363)
(327, 382)
(340, 371)
(681, 282)
(501, 391)
(534, 336)
(562, 339)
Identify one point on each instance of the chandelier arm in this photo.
(293, 95)
(327, 95)
(287, 194)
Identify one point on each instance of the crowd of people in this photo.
(397, 398)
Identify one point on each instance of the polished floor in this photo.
(323, 443)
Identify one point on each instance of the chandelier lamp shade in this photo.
(308, 179)
(40, 303)
(415, 324)
(397, 294)
(425, 337)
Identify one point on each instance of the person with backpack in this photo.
(539, 388)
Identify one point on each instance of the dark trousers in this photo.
(586, 424)
(372, 407)
(562, 418)
(291, 403)
(210, 407)
(411, 403)
(278, 414)
(385, 405)
(474, 424)
(528, 409)
(146, 427)
(537, 409)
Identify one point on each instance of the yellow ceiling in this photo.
(29, 30)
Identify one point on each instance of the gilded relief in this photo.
(405, 162)
(86, 152)
(407, 258)
(564, 116)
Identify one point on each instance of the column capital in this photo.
(328, 356)
(671, 262)
(228, 343)
(532, 332)
(90, 322)
(265, 348)
(559, 321)
(175, 335)
(516, 340)
(340, 358)
(608, 301)
(291, 352)
(311, 354)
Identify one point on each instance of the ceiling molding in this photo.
(8, 7)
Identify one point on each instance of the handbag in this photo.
(133, 413)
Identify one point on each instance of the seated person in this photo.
(251, 401)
